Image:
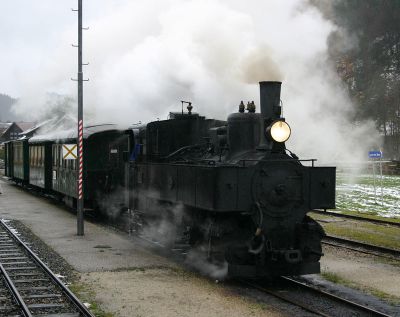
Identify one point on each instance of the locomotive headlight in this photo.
(279, 131)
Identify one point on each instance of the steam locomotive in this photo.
(230, 188)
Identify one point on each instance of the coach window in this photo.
(59, 156)
(40, 156)
(64, 163)
(56, 154)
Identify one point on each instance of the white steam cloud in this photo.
(147, 56)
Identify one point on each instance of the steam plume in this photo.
(145, 57)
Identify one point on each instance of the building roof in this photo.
(4, 126)
(37, 126)
(71, 134)
(25, 125)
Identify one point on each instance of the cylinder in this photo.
(270, 97)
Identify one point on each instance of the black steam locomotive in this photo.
(230, 188)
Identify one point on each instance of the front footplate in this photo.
(273, 271)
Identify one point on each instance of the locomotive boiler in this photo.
(230, 188)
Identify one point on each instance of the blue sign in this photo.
(375, 154)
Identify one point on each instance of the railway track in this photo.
(361, 247)
(315, 301)
(28, 287)
(359, 218)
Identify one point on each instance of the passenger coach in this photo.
(42, 162)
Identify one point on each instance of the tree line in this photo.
(366, 51)
(6, 103)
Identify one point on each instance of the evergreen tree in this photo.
(366, 50)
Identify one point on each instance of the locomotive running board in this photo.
(251, 271)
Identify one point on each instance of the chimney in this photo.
(270, 97)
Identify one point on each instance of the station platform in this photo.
(100, 249)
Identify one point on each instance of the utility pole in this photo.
(80, 199)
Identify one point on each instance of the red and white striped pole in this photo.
(80, 151)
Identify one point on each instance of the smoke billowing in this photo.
(147, 56)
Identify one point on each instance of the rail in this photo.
(365, 247)
(79, 306)
(335, 214)
(310, 305)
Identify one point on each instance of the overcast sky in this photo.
(146, 55)
(30, 32)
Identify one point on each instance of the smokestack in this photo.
(270, 97)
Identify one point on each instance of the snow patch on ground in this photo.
(357, 193)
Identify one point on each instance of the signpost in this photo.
(377, 155)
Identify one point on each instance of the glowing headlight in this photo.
(279, 131)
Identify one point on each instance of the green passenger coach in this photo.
(54, 163)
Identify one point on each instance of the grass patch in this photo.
(335, 278)
(369, 216)
(86, 295)
(371, 233)
(365, 232)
